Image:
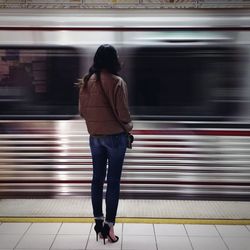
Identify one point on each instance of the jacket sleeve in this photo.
(80, 103)
(121, 105)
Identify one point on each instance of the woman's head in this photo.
(106, 58)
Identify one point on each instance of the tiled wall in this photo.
(124, 4)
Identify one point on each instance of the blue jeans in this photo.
(109, 149)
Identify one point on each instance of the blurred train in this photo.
(188, 75)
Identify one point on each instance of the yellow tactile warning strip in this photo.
(127, 220)
(82, 208)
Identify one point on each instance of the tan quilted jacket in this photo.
(97, 112)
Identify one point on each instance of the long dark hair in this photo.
(105, 58)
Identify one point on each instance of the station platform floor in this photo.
(76, 236)
(67, 224)
(133, 210)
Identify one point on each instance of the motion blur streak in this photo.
(189, 97)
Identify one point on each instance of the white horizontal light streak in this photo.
(111, 21)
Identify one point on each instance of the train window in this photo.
(184, 82)
(38, 82)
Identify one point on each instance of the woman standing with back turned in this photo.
(103, 103)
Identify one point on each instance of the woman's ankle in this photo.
(110, 224)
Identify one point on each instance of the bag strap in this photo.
(114, 113)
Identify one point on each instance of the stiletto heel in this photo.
(105, 234)
(98, 227)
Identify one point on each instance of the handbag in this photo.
(130, 137)
(130, 140)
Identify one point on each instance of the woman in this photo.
(103, 103)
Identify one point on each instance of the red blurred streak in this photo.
(194, 132)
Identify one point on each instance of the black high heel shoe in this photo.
(105, 234)
(98, 227)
